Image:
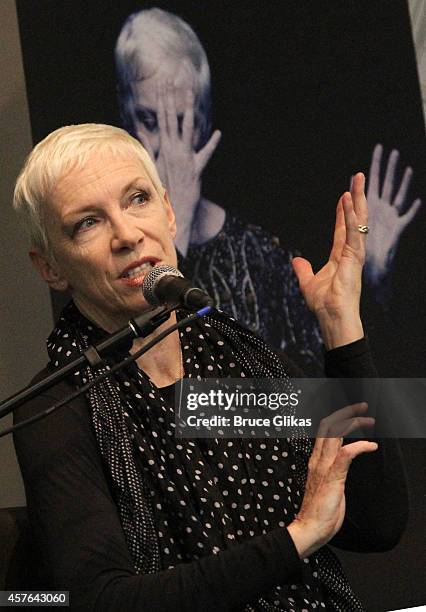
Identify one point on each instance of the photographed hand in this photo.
(333, 293)
(390, 212)
(323, 508)
(180, 167)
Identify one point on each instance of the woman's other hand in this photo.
(333, 293)
(323, 508)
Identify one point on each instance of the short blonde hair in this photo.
(66, 148)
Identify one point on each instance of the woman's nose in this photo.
(125, 234)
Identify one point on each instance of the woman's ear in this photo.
(170, 214)
(48, 270)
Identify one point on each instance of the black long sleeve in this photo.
(376, 487)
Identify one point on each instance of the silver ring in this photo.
(364, 229)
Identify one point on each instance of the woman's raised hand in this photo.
(333, 293)
(323, 508)
(180, 167)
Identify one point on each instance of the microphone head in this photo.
(151, 280)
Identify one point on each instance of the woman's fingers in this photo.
(354, 238)
(338, 416)
(346, 455)
(400, 203)
(412, 212)
(338, 420)
(359, 199)
(170, 111)
(303, 271)
(335, 461)
(352, 210)
(390, 176)
(339, 237)
(161, 113)
(346, 427)
(324, 455)
(374, 174)
(188, 120)
(207, 151)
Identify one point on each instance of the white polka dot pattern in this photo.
(181, 500)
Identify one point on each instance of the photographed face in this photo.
(145, 99)
(107, 227)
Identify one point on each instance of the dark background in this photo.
(302, 91)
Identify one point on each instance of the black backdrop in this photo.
(302, 92)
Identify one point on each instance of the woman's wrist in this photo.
(303, 539)
(340, 330)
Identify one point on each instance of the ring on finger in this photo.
(364, 229)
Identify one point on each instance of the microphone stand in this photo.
(112, 370)
(139, 327)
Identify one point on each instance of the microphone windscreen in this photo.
(152, 279)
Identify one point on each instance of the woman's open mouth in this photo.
(135, 276)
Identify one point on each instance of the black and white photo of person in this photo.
(164, 94)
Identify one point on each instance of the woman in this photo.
(123, 514)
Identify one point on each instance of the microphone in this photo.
(166, 285)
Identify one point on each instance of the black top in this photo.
(82, 548)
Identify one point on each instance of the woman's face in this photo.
(170, 88)
(107, 226)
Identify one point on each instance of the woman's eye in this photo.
(84, 224)
(149, 121)
(140, 198)
(151, 125)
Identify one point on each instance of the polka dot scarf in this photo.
(179, 500)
